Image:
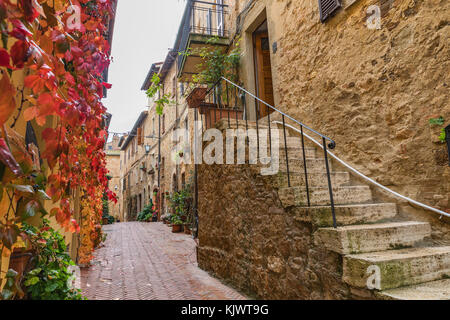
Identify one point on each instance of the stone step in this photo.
(315, 179)
(372, 237)
(321, 216)
(396, 268)
(313, 165)
(294, 146)
(434, 290)
(296, 152)
(296, 196)
(241, 124)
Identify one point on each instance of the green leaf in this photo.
(42, 195)
(7, 294)
(11, 274)
(52, 287)
(31, 282)
(35, 272)
(23, 188)
(437, 121)
(442, 136)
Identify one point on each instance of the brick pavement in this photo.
(146, 261)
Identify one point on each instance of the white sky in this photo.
(143, 33)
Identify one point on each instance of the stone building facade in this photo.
(143, 176)
(371, 75)
(133, 171)
(112, 151)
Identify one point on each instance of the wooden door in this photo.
(263, 72)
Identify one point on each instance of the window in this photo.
(327, 8)
(153, 126)
(220, 19)
(163, 125)
(174, 87)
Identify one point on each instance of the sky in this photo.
(143, 33)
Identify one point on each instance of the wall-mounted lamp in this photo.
(147, 149)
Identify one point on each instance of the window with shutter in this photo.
(327, 8)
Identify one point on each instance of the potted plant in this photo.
(20, 260)
(187, 228)
(177, 224)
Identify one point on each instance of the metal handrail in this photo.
(332, 144)
(342, 162)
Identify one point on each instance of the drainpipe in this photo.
(159, 167)
(195, 176)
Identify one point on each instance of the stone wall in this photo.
(248, 239)
(373, 91)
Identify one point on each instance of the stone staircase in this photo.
(394, 259)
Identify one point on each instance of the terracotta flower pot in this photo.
(196, 97)
(176, 228)
(187, 229)
(20, 260)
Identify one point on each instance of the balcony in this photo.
(202, 21)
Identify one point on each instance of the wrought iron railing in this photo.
(202, 18)
(229, 101)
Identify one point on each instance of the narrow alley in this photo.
(146, 261)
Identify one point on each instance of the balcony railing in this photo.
(204, 19)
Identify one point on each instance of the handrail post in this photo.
(286, 152)
(330, 188)
(257, 126)
(305, 167)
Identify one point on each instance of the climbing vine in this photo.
(51, 75)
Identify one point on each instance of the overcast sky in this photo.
(143, 33)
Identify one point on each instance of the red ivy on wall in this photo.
(62, 90)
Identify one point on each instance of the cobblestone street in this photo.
(146, 261)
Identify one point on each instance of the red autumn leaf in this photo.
(47, 104)
(7, 101)
(4, 59)
(31, 113)
(20, 52)
(70, 79)
(29, 9)
(20, 31)
(8, 159)
(107, 85)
